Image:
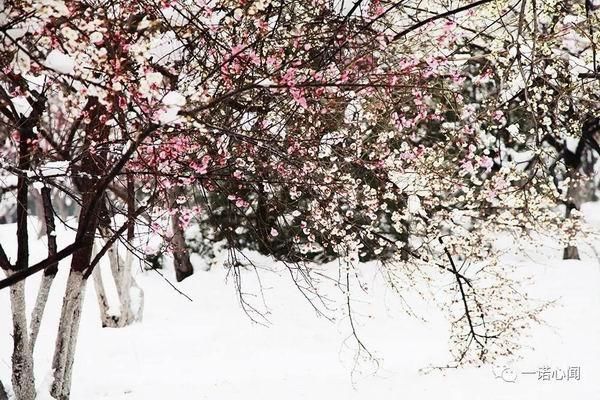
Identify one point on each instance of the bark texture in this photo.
(125, 285)
(66, 338)
(49, 272)
(181, 256)
(22, 357)
(3, 395)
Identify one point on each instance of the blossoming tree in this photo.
(361, 131)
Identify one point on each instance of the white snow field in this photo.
(210, 349)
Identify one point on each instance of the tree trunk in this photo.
(121, 273)
(50, 272)
(38, 309)
(61, 206)
(122, 277)
(577, 193)
(105, 317)
(138, 307)
(124, 282)
(22, 357)
(93, 165)
(3, 395)
(38, 211)
(68, 328)
(113, 321)
(23, 379)
(129, 283)
(181, 257)
(66, 340)
(571, 253)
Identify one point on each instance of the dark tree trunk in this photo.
(181, 256)
(66, 340)
(49, 272)
(92, 166)
(3, 395)
(22, 357)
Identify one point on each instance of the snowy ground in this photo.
(210, 349)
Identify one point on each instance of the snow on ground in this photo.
(209, 349)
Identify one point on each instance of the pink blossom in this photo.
(486, 162)
(466, 167)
